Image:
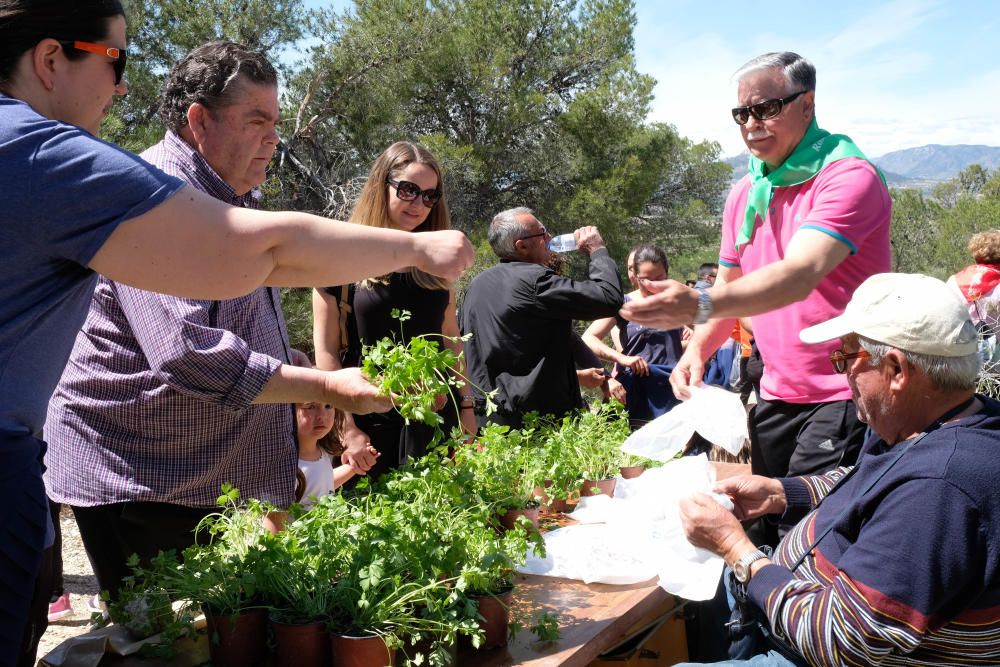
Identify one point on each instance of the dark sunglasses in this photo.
(544, 232)
(119, 57)
(409, 191)
(763, 110)
(839, 359)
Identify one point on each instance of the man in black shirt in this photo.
(521, 313)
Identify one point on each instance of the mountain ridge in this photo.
(920, 167)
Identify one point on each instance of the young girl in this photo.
(318, 444)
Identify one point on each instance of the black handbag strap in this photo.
(902, 450)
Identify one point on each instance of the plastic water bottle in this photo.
(562, 243)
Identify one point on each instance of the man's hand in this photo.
(711, 526)
(753, 495)
(358, 451)
(588, 239)
(591, 378)
(637, 364)
(348, 390)
(670, 306)
(688, 371)
(445, 253)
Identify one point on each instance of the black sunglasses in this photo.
(408, 191)
(119, 57)
(763, 110)
(534, 236)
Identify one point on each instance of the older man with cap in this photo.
(895, 560)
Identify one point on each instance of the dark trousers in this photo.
(23, 521)
(112, 533)
(792, 439)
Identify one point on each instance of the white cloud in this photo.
(873, 72)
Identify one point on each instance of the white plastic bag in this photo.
(714, 413)
(637, 535)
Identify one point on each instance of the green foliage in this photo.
(533, 103)
(161, 33)
(415, 374)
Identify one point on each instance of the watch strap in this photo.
(705, 306)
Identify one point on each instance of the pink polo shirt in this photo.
(845, 200)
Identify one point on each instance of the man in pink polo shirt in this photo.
(800, 232)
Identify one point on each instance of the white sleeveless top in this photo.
(319, 478)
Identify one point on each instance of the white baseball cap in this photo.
(908, 311)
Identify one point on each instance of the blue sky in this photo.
(891, 75)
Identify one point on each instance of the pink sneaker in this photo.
(60, 608)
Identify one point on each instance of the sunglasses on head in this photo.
(763, 110)
(408, 191)
(118, 56)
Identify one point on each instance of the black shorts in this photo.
(790, 439)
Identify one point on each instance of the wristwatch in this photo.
(741, 568)
(704, 306)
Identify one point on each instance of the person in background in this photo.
(319, 442)
(520, 314)
(805, 227)
(979, 283)
(891, 561)
(640, 380)
(164, 399)
(404, 191)
(707, 274)
(84, 207)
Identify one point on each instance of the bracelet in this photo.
(470, 398)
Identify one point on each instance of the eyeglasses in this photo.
(544, 232)
(839, 359)
(763, 110)
(408, 191)
(118, 56)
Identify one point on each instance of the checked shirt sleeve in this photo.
(185, 351)
(891, 589)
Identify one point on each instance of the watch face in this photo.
(741, 571)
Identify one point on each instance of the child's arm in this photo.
(344, 472)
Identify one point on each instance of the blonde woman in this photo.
(404, 191)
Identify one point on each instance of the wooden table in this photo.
(593, 618)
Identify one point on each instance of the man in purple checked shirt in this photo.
(164, 399)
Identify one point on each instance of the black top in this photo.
(372, 319)
(370, 322)
(521, 317)
(373, 309)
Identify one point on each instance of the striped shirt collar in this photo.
(188, 159)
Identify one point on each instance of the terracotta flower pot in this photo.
(236, 641)
(509, 519)
(605, 486)
(496, 617)
(304, 645)
(547, 504)
(366, 651)
(631, 472)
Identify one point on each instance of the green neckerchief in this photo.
(817, 149)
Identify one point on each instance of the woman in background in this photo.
(642, 367)
(404, 191)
